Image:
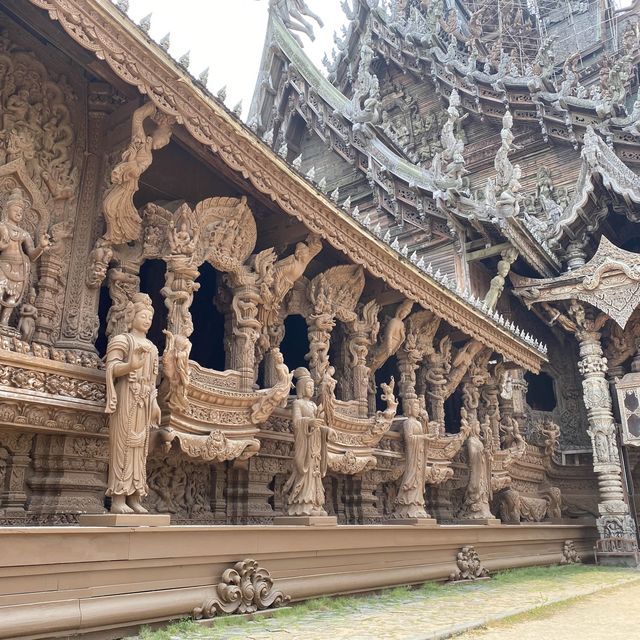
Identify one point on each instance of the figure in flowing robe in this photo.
(131, 375)
(410, 498)
(304, 486)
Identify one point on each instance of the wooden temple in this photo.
(390, 316)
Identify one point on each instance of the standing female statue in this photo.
(17, 252)
(306, 493)
(132, 370)
(478, 494)
(410, 498)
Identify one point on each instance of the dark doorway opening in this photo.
(541, 395)
(208, 323)
(152, 279)
(452, 406)
(295, 344)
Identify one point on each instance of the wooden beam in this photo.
(488, 252)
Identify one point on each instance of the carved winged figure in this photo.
(123, 221)
(294, 14)
(393, 337)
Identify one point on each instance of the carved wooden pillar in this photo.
(319, 330)
(614, 519)
(369, 483)
(261, 473)
(180, 285)
(13, 494)
(80, 322)
(407, 365)
(218, 486)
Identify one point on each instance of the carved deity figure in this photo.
(476, 499)
(304, 486)
(123, 221)
(175, 365)
(393, 337)
(288, 271)
(131, 372)
(28, 317)
(17, 252)
(410, 498)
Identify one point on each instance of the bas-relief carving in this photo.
(17, 251)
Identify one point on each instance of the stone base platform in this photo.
(103, 582)
(414, 522)
(486, 522)
(124, 520)
(306, 521)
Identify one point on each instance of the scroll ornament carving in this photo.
(123, 221)
(215, 447)
(469, 565)
(277, 395)
(36, 123)
(245, 588)
(570, 554)
(350, 464)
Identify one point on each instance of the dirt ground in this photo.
(613, 614)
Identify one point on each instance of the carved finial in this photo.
(237, 110)
(297, 162)
(322, 185)
(222, 93)
(204, 77)
(184, 60)
(311, 174)
(165, 43)
(268, 137)
(346, 205)
(283, 150)
(145, 23)
(335, 194)
(123, 5)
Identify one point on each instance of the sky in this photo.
(228, 36)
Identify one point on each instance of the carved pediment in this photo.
(610, 281)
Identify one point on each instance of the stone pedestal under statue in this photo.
(124, 520)
(414, 522)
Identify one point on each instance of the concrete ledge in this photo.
(57, 581)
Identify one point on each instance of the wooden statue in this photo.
(17, 252)
(131, 373)
(410, 498)
(123, 221)
(394, 335)
(304, 486)
(28, 317)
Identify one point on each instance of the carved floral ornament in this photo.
(610, 281)
(93, 24)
